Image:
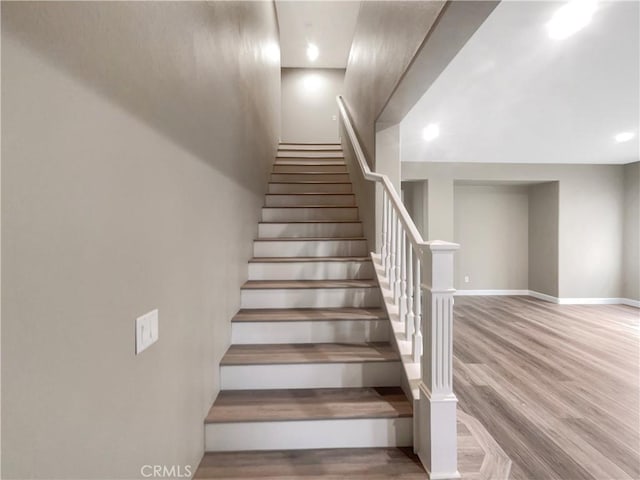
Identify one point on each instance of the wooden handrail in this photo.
(420, 279)
(414, 235)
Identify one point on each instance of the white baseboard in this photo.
(630, 302)
(491, 292)
(543, 296)
(552, 299)
(589, 301)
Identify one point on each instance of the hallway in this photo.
(555, 385)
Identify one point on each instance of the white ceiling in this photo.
(514, 95)
(327, 24)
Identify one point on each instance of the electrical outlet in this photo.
(146, 330)
(466, 279)
(334, 117)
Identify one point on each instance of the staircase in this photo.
(310, 366)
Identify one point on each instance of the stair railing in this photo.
(420, 277)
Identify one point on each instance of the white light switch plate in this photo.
(146, 330)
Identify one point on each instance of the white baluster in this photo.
(383, 249)
(402, 307)
(396, 290)
(387, 266)
(409, 319)
(391, 276)
(417, 310)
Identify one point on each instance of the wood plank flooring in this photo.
(309, 353)
(557, 386)
(309, 404)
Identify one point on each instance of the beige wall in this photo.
(631, 280)
(387, 163)
(135, 144)
(591, 209)
(591, 226)
(491, 223)
(440, 212)
(387, 36)
(309, 108)
(413, 197)
(543, 238)
(364, 190)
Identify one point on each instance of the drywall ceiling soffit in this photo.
(457, 22)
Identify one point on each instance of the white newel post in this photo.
(437, 447)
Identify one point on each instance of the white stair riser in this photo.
(310, 177)
(285, 214)
(309, 188)
(310, 146)
(310, 270)
(310, 297)
(306, 434)
(310, 154)
(310, 248)
(310, 375)
(309, 199)
(309, 161)
(312, 331)
(309, 168)
(275, 230)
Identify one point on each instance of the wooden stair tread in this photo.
(328, 464)
(309, 143)
(311, 173)
(310, 193)
(280, 222)
(308, 314)
(310, 150)
(278, 284)
(314, 206)
(308, 404)
(286, 146)
(307, 259)
(319, 182)
(309, 182)
(287, 353)
(313, 162)
(309, 239)
(333, 160)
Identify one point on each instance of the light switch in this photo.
(466, 279)
(146, 330)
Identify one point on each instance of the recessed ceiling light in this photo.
(312, 52)
(624, 136)
(570, 18)
(430, 132)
